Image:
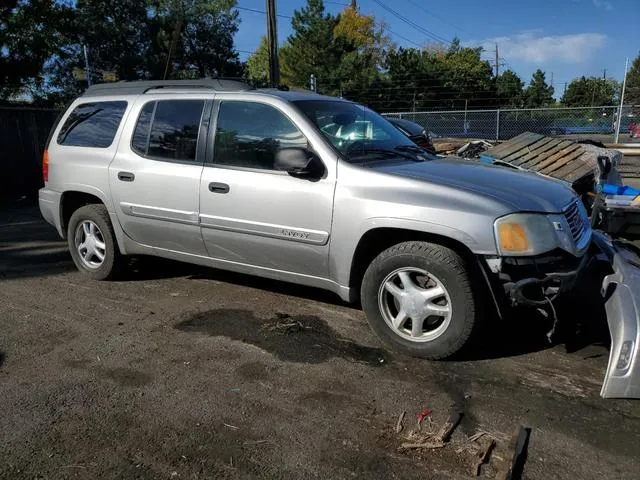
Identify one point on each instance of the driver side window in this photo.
(248, 134)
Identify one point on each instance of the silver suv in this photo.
(311, 190)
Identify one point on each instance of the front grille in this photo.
(577, 222)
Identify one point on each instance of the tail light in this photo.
(45, 166)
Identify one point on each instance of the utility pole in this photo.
(272, 40)
(497, 61)
(552, 79)
(86, 65)
(624, 86)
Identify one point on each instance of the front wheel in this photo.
(418, 299)
(92, 243)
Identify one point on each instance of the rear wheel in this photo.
(92, 243)
(418, 299)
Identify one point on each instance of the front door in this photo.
(252, 214)
(155, 175)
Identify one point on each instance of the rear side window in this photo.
(92, 124)
(168, 129)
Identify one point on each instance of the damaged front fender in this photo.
(621, 291)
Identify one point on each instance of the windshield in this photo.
(358, 132)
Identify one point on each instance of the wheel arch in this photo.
(74, 198)
(376, 240)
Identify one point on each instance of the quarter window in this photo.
(168, 129)
(249, 134)
(92, 125)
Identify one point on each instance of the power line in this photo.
(409, 22)
(263, 12)
(417, 5)
(400, 36)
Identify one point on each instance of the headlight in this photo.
(525, 234)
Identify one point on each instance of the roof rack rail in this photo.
(138, 87)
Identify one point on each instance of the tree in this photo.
(194, 38)
(30, 32)
(632, 93)
(538, 94)
(590, 92)
(509, 88)
(363, 47)
(436, 77)
(466, 78)
(115, 36)
(258, 65)
(310, 48)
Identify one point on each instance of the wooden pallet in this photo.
(555, 157)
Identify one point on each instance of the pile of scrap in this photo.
(448, 146)
(567, 160)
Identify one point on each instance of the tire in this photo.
(103, 245)
(439, 269)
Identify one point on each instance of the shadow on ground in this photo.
(151, 268)
(301, 338)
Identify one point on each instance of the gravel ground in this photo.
(183, 372)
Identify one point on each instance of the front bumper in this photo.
(544, 278)
(621, 292)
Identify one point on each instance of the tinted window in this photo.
(171, 127)
(92, 124)
(140, 141)
(249, 134)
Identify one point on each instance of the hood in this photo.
(523, 191)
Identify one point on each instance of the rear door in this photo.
(155, 175)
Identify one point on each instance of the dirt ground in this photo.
(180, 372)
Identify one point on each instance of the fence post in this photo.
(497, 125)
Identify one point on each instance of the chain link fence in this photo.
(596, 123)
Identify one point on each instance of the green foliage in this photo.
(509, 88)
(632, 93)
(311, 47)
(41, 56)
(42, 43)
(436, 78)
(258, 65)
(30, 33)
(538, 94)
(589, 92)
(199, 34)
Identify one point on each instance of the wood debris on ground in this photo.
(480, 447)
(513, 466)
(430, 440)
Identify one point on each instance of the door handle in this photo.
(126, 176)
(216, 187)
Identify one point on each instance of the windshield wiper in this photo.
(396, 152)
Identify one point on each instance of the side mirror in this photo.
(299, 162)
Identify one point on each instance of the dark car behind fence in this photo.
(23, 135)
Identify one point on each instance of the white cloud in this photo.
(608, 6)
(533, 47)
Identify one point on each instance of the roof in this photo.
(141, 86)
(295, 95)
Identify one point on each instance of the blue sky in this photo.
(567, 37)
